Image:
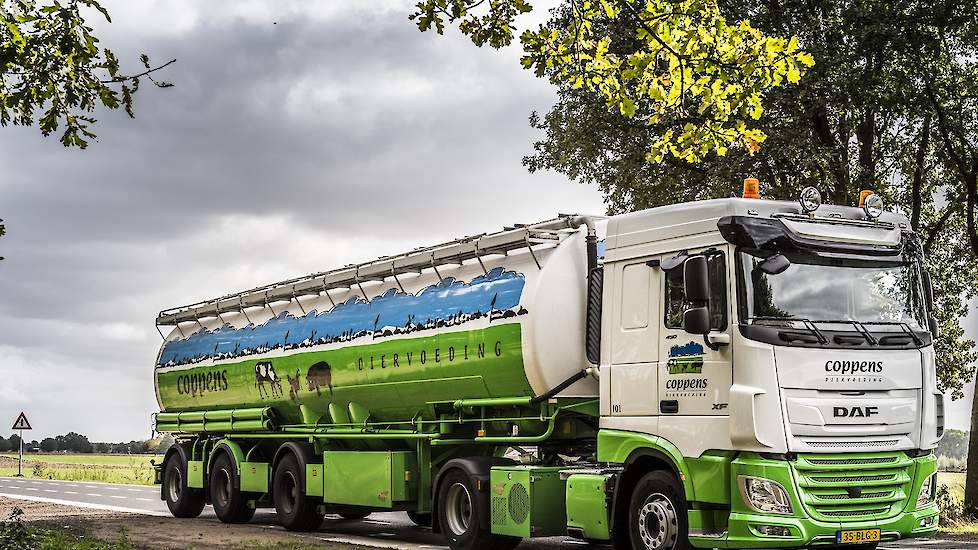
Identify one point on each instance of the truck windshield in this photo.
(831, 289)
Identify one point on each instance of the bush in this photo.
(40, 469)
(15, 535)
(951, 464)
(952, 508)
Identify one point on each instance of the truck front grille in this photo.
(859, 487)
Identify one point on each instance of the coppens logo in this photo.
(686, 384)
(854, 367)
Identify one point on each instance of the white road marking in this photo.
(89, 505)
(92, 495)
(71, 492)
(31, 488)
(50, 491)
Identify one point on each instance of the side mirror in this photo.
(774, 265)
(696, 280)
(696, 320)
(934, 327)
(928, 291)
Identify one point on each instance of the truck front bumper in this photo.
(809, 524)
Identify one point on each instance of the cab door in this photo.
(694, 380)
(634, 339)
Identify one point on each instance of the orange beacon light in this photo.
(752, 188)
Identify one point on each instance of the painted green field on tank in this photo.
(393, 379)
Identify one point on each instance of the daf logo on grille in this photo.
(855, 412)
(854, 492)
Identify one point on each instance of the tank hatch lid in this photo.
(450, 253)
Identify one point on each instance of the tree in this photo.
(891, 104)
(676, 68)
(49, 445)
(53, 72)
(14, 442)
(954, 445)
(4, 445)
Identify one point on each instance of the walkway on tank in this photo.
(380, 530)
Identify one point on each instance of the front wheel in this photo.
(463, 515)
(183, 501)
(657, 516)
(229, 502)
(296, 511)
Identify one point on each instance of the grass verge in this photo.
(128, 469)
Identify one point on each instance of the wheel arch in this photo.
(304, 454)
(639, 454)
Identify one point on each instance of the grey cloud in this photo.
(283, 149)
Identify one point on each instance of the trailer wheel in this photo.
(463, 515)
(657, 517)
(183, 501)
(296, 511)
(420, 519)
(229, 502)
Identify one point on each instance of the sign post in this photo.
(21, 424)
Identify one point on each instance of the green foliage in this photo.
(15, 535)
(675, 68)
(954, 445)
(53, 71)
(861, 118)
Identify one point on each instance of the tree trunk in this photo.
(971, 476)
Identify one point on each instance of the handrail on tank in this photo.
(452, 252)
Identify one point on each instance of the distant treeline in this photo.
(954, 445)
(76, 443)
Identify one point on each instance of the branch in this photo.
(147, 72)
(916, 197)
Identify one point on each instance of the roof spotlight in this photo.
(810, 199)
(873, 205)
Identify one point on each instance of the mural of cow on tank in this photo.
(265, 372)
(319, 375)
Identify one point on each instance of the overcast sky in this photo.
(300, 136)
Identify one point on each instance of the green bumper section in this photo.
(829, 493)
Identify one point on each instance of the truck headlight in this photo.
(764, 495)
(927, 491)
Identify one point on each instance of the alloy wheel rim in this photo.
(291, 493)
(458, 508)
(658, 523)
(224, 487)
(175, 486)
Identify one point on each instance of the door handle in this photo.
(669, 406)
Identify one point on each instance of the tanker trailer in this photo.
(736, 373)
(460, 349)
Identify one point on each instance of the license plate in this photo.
(857, 536)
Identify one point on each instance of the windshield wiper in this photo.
(808, 324)
(905, 328)
(861, 329)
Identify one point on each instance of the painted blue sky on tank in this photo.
(447, 303)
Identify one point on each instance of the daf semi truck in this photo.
(730, 373)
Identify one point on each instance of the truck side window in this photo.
(676, 300)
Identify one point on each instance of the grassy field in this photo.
(131, 469)
(954, 482)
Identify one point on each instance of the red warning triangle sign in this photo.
(21, 423)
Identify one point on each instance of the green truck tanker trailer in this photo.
(734, 373)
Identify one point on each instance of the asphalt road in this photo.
(382, 529)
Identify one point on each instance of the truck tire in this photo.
(657, 516)
(229, 502)
(420, 519)
(183, 501)
(462, 512)
(296, 511)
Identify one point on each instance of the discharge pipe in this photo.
(591, 240)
